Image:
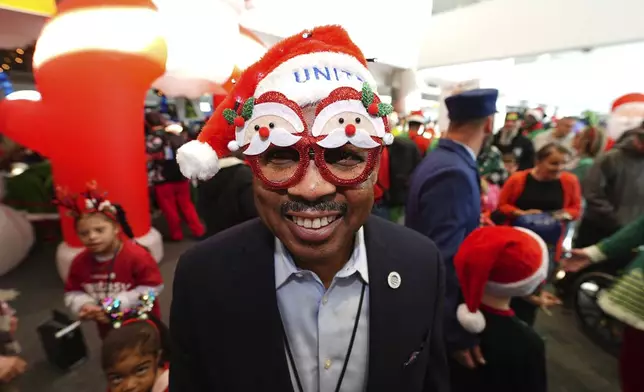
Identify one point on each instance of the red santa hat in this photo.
(416, 116)
(536, 113)
(627, 99)
(304, 69)
(502, 261)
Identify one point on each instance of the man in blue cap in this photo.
(445, 201)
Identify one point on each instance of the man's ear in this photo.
(489, 124)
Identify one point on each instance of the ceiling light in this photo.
(20, 51)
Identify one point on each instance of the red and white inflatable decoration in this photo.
(206, 46)
(87, 116)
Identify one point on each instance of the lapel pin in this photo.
(394, 280)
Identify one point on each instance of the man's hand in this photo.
(577, 260)
(11, 367)
(90, 312)
(471, 358)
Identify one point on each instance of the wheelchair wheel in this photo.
(602, 329)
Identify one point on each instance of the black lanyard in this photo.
(291, 362)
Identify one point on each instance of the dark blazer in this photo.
(445, 205)
(227, 199)
(227, 332)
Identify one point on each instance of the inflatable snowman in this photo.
(16, 234)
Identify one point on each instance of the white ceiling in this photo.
(574, 81)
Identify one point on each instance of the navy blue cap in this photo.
(472, 104)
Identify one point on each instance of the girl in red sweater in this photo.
(112, 265)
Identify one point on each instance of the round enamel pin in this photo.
(394, 280)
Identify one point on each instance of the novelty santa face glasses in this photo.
(344, 141)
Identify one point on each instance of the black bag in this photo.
(63, 341)
(403, 159)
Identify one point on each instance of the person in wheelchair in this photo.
(542, 199)
(625, 300)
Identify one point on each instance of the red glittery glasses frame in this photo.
(308, 144)
(304, 148)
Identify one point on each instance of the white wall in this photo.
(509, 28)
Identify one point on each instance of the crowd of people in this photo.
(305, 279)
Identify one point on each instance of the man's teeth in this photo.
(313, 223)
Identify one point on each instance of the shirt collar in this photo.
(357, 263)
(469, 150)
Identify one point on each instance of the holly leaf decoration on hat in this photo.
(373, 108)
(384, 109)
(247, 109)
(230, 115)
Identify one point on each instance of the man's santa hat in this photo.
(304, 68)
(502, 261)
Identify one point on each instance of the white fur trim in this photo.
(65, 254)
(388, 139)
(618, 312)
(348, 106)
(232, 146)
(595, 254)
(528, 285)
(269, 109)
(317, 86)
(197, 160)
(472, 322)
(416, 118)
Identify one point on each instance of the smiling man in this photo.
(317, 294)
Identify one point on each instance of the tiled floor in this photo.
(575, 364)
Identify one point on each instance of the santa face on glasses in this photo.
(272, 126)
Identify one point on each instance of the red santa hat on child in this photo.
(416, 116)
(302, 69)
(502, 261)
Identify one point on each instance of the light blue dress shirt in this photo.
(319, 322)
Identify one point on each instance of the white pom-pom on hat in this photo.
(233, 146)
(388, 139)
(472, 322)
(197, 160)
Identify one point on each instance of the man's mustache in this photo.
(300, 206)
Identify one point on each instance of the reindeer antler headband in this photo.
(87, 202)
